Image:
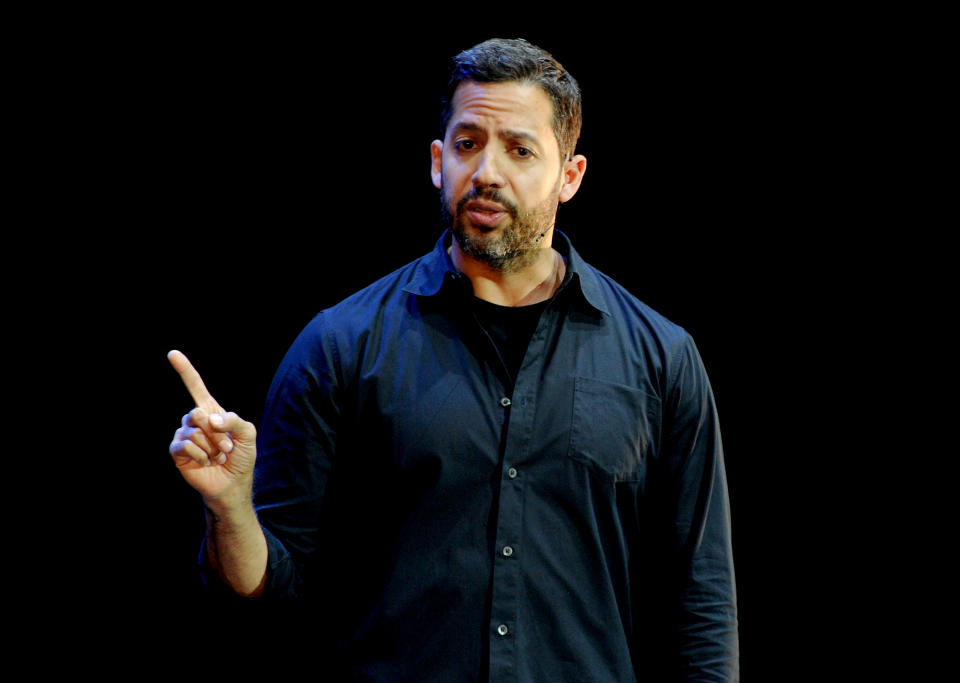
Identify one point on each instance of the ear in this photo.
(573, 170)
(436, 162)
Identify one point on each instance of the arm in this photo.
(697, 517)
(297, 442)
(215, 452)
(236, 547)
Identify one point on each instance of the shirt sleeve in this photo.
(295, 450)
(693, 498)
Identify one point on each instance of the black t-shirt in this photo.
(510, 328)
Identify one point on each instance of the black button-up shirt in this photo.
(447, 523)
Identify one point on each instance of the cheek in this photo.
(537, 191)
(448, 192)
(450, 176)
(457, 180)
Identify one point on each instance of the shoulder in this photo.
(665, 347)
(372, 300)
(629, 313)
(377, 306)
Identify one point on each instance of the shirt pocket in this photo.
(612, 427)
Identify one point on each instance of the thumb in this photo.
(233, 426)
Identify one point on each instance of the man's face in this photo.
(500, 171)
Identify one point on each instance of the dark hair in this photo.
(500, 60)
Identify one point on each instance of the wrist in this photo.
(236, 547)
(230, 507)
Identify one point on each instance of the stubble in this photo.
(506, 248)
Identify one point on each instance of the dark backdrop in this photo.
(248, 174)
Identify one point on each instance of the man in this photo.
(494, 462)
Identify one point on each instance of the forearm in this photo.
(707, 632)
(698, 503)
(707, 624)
(237, 548)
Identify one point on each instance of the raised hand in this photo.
(214, 450)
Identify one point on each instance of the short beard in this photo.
(507, 249)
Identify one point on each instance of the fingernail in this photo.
(222, 458)
(226, 446)
(216, 420)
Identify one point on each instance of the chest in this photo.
(437, 397)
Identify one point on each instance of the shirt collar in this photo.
(436, 269)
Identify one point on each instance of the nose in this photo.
(487, 172)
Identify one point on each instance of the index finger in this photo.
(192, 381)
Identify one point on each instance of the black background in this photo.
(240, 173)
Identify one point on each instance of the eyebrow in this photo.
(508, 134)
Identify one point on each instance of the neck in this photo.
(537, 281)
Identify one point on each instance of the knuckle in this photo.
(200, 440)
(195, 453)
(241, 423)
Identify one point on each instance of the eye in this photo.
(464, 145)
(522, 152)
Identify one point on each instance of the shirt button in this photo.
(503, 630)
(505, 402)
(512, 472)
(507, 551)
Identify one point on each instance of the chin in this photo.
(484, 229)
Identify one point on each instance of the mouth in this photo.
(485, 213)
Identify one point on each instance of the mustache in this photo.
(491, 194)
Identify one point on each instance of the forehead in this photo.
(511, 105)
